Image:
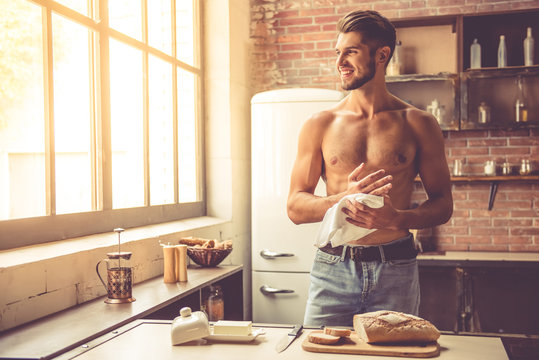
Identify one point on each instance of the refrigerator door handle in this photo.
(268, 290)
(268, 254)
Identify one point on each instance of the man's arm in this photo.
(434, 173)
(302, 205)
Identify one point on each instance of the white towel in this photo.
(337, 230)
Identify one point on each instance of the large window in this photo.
(100, 116)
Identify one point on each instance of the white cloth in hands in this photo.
(336, 230)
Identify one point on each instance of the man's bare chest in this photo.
(388, 146)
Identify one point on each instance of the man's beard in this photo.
(360, 81)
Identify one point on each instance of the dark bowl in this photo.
(207, 257)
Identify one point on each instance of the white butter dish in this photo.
(235, 338)
(189, 326)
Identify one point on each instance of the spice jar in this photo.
(506, 168)
(490, 168)
(525, 167)
(215, 305)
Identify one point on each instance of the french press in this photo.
(119, 275)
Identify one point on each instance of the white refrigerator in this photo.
(282, 252)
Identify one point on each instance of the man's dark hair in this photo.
(377, 30)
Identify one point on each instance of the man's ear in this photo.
(382, 54)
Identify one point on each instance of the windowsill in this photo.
(48, 278)
(159, 232)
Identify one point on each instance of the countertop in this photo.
(480, 258)
(145, 339)
(54, 334)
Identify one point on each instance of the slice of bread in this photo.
(322, 338)
(337, 331)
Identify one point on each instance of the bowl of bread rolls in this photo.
(206, 252)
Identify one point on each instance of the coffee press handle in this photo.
(98, 274)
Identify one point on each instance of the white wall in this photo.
(228, 123)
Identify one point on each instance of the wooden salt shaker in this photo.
(169, 271)
(181, 262)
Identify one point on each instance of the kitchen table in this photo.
(150, 339)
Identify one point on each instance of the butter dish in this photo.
(189, 326)
(235, 338)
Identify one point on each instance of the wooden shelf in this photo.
(484, 178)
(422, 77)
(493, 180)
(504, 72)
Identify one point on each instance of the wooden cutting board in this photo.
(354, 345)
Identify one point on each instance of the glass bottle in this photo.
(475, 55)
(521, 105)
(215, 305)
(502, 52)
(483, 112)
(528, 48)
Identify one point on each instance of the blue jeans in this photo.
(341, 288)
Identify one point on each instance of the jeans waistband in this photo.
(400, 249)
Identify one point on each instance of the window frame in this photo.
(16, 233)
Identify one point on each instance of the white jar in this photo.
(490, 168)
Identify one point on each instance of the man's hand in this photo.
(375, 183)
(370, 218)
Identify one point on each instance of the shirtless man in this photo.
(371, 142)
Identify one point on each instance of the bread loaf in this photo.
(322, 338)
(337, 331)
(391, 326)
(192, 241)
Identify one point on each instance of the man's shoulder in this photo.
(322, 118)
(415, 116)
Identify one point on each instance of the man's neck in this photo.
(369, 99)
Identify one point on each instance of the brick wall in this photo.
(294, 47)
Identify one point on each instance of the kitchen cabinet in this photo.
(487, 296)
(497, 89)
(422, 91)
(436, 66)
(429, 67)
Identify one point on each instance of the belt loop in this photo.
(343, 255)
(382, 254)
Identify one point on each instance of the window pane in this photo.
(187, 136)
(159, 25)
(126, 17)
(22, 144)
(161, 132)
(127, 126)
(71, 116)
(185, 37)
(80, 6)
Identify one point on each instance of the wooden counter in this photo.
(151, 340)
(57, 333)
(479, 258)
